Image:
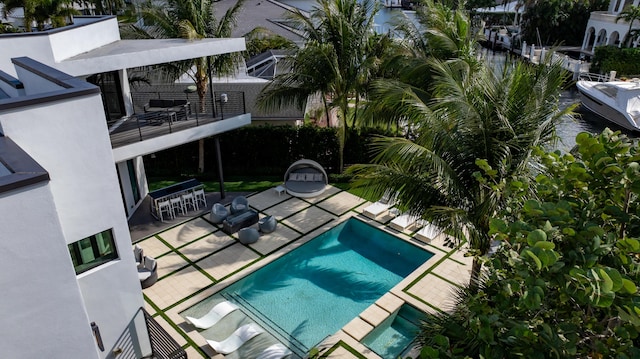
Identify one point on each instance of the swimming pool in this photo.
(314, 290)
(392, 338)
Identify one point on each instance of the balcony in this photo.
(604, 16)
(148, 132)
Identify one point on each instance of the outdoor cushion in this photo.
(267, 224)
(248, 235)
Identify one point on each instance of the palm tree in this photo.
(472, 138)
(630, 14)
(337, 33)
(194, 19)
(58, 12)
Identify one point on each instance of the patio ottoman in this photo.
(234, 222)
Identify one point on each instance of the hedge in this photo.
(264, 151)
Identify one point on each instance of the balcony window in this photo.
(93, 251)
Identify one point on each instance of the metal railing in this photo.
(163, 346)
(144, 125)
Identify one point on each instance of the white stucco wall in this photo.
(42, 309)
(52, 47)
(69, 139)
(80, 39)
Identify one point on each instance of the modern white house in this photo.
(92, 50)
(71, 287)
(602, 28)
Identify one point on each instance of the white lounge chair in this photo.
(403, 222)
(428, 232)
(275, 351)
(236, 339)
(216, 313)
(377, 208)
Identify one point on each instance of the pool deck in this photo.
(196, 259)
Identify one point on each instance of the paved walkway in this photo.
(196, 260)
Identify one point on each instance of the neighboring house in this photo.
(68, 185)
(602, 28)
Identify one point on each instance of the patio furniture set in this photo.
(239, 337)
(176, 199)
(159, 110)
(239, 217)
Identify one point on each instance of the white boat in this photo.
(615, 100)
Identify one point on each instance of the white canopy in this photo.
(502, 9)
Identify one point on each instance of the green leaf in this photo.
(535, 258)
(536, 236)
(629, 286)
(607, 283)
(497, 225)
(545, 245)
(616, 278)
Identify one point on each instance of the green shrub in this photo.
(625, 61)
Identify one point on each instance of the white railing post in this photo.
(612, 75)
(524, 49)
(532, 52)
(543, 54)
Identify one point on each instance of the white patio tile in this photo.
(268, 242)
(267, 198)
(187, 232)
(309, 219)
(153, 247)
(287, 208)
(228, 261)
(329, 191)
(434, 291)
(175, 287)
(340, 203)
(170, 263)
(207, 245)
(453, 272)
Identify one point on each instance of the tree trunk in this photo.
(201, 156)
(476, 267)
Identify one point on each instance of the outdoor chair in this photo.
(236, 339)
(138, 254)
(428, 232)
(218, 213)
(165, 207)
(148, 274)
(248, 235)
(189, 200)
(239, 204)
(200, 197)
(216, 313)
(267, 224)
(177, 206)
(403, 222)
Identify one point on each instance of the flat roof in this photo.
(17, 168)
(124, 54)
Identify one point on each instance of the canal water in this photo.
(567, 130)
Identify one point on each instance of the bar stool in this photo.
(176, 205)
(165, 206)
(189, 200)
(199, 196)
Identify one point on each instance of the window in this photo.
(93, 251)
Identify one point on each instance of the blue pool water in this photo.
(315, 290)
(392, 337)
